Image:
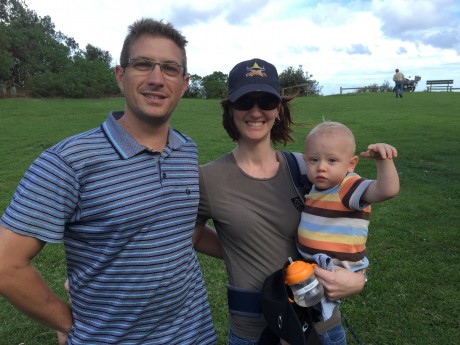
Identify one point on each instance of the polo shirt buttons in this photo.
(164, 175)
(188, 191)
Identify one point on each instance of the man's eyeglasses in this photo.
(145, 67)
(264, 102)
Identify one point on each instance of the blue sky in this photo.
(341, 43)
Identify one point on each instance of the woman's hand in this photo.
(62, 338)
(67, 289)
(341, 283)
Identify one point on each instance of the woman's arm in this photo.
(205, 241)
(341, 283)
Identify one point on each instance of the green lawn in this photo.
(412, 295)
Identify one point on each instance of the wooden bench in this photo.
(443, 85)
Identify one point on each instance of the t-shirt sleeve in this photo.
(46, 198)
(352, 190)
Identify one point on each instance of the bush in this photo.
(82, 79)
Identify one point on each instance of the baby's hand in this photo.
(380, 151)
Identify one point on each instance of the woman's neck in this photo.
(258, 161)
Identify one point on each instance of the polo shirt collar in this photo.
(125, 144)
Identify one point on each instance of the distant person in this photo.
(398, 78)
(123, 198)
(250, 196)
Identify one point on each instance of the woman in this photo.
(249, 195)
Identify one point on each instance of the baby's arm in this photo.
(386, 186)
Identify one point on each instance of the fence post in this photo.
(340, 90)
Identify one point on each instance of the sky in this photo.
(340, 43)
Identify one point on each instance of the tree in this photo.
(386, 86)
(96, 54)
(215, 85)
(298, 82)
(33, 43)
(83, 79)
(6, 57)
(371, 88)
(33, 54)
(195, 88)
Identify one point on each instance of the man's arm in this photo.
(205, 241)
(23, 286)
(386, 186)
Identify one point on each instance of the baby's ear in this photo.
(353, 163)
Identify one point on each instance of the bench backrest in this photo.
(440, 82)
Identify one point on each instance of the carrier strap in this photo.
(298, 171)
(245, 302)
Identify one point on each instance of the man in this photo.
(123, 197)
(398, 78)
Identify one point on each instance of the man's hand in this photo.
(62, 337)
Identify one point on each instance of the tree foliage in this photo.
(45, 61)
(298, 82)
(6, 57)
(195, 88)
(215, 85)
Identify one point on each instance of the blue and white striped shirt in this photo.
(126, 215)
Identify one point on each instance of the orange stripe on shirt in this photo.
(331, 246)
(329, 205)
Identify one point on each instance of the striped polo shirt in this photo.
(335, 222)
(126, 215)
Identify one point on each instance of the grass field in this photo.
(412, 297)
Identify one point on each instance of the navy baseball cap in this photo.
(253, 75)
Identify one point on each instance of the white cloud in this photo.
(342, 43)
(432, 22)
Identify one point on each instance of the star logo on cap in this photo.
(255, 70)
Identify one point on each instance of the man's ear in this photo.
(119, 75)
(353, 163)
(185, 84)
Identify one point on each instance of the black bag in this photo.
(286, 320)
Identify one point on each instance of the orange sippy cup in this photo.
(305, 287)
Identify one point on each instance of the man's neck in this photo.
(152, 136)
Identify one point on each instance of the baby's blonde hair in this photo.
(332, 127)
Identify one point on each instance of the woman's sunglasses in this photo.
(264, 102)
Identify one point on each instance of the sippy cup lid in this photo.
(298, 271)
